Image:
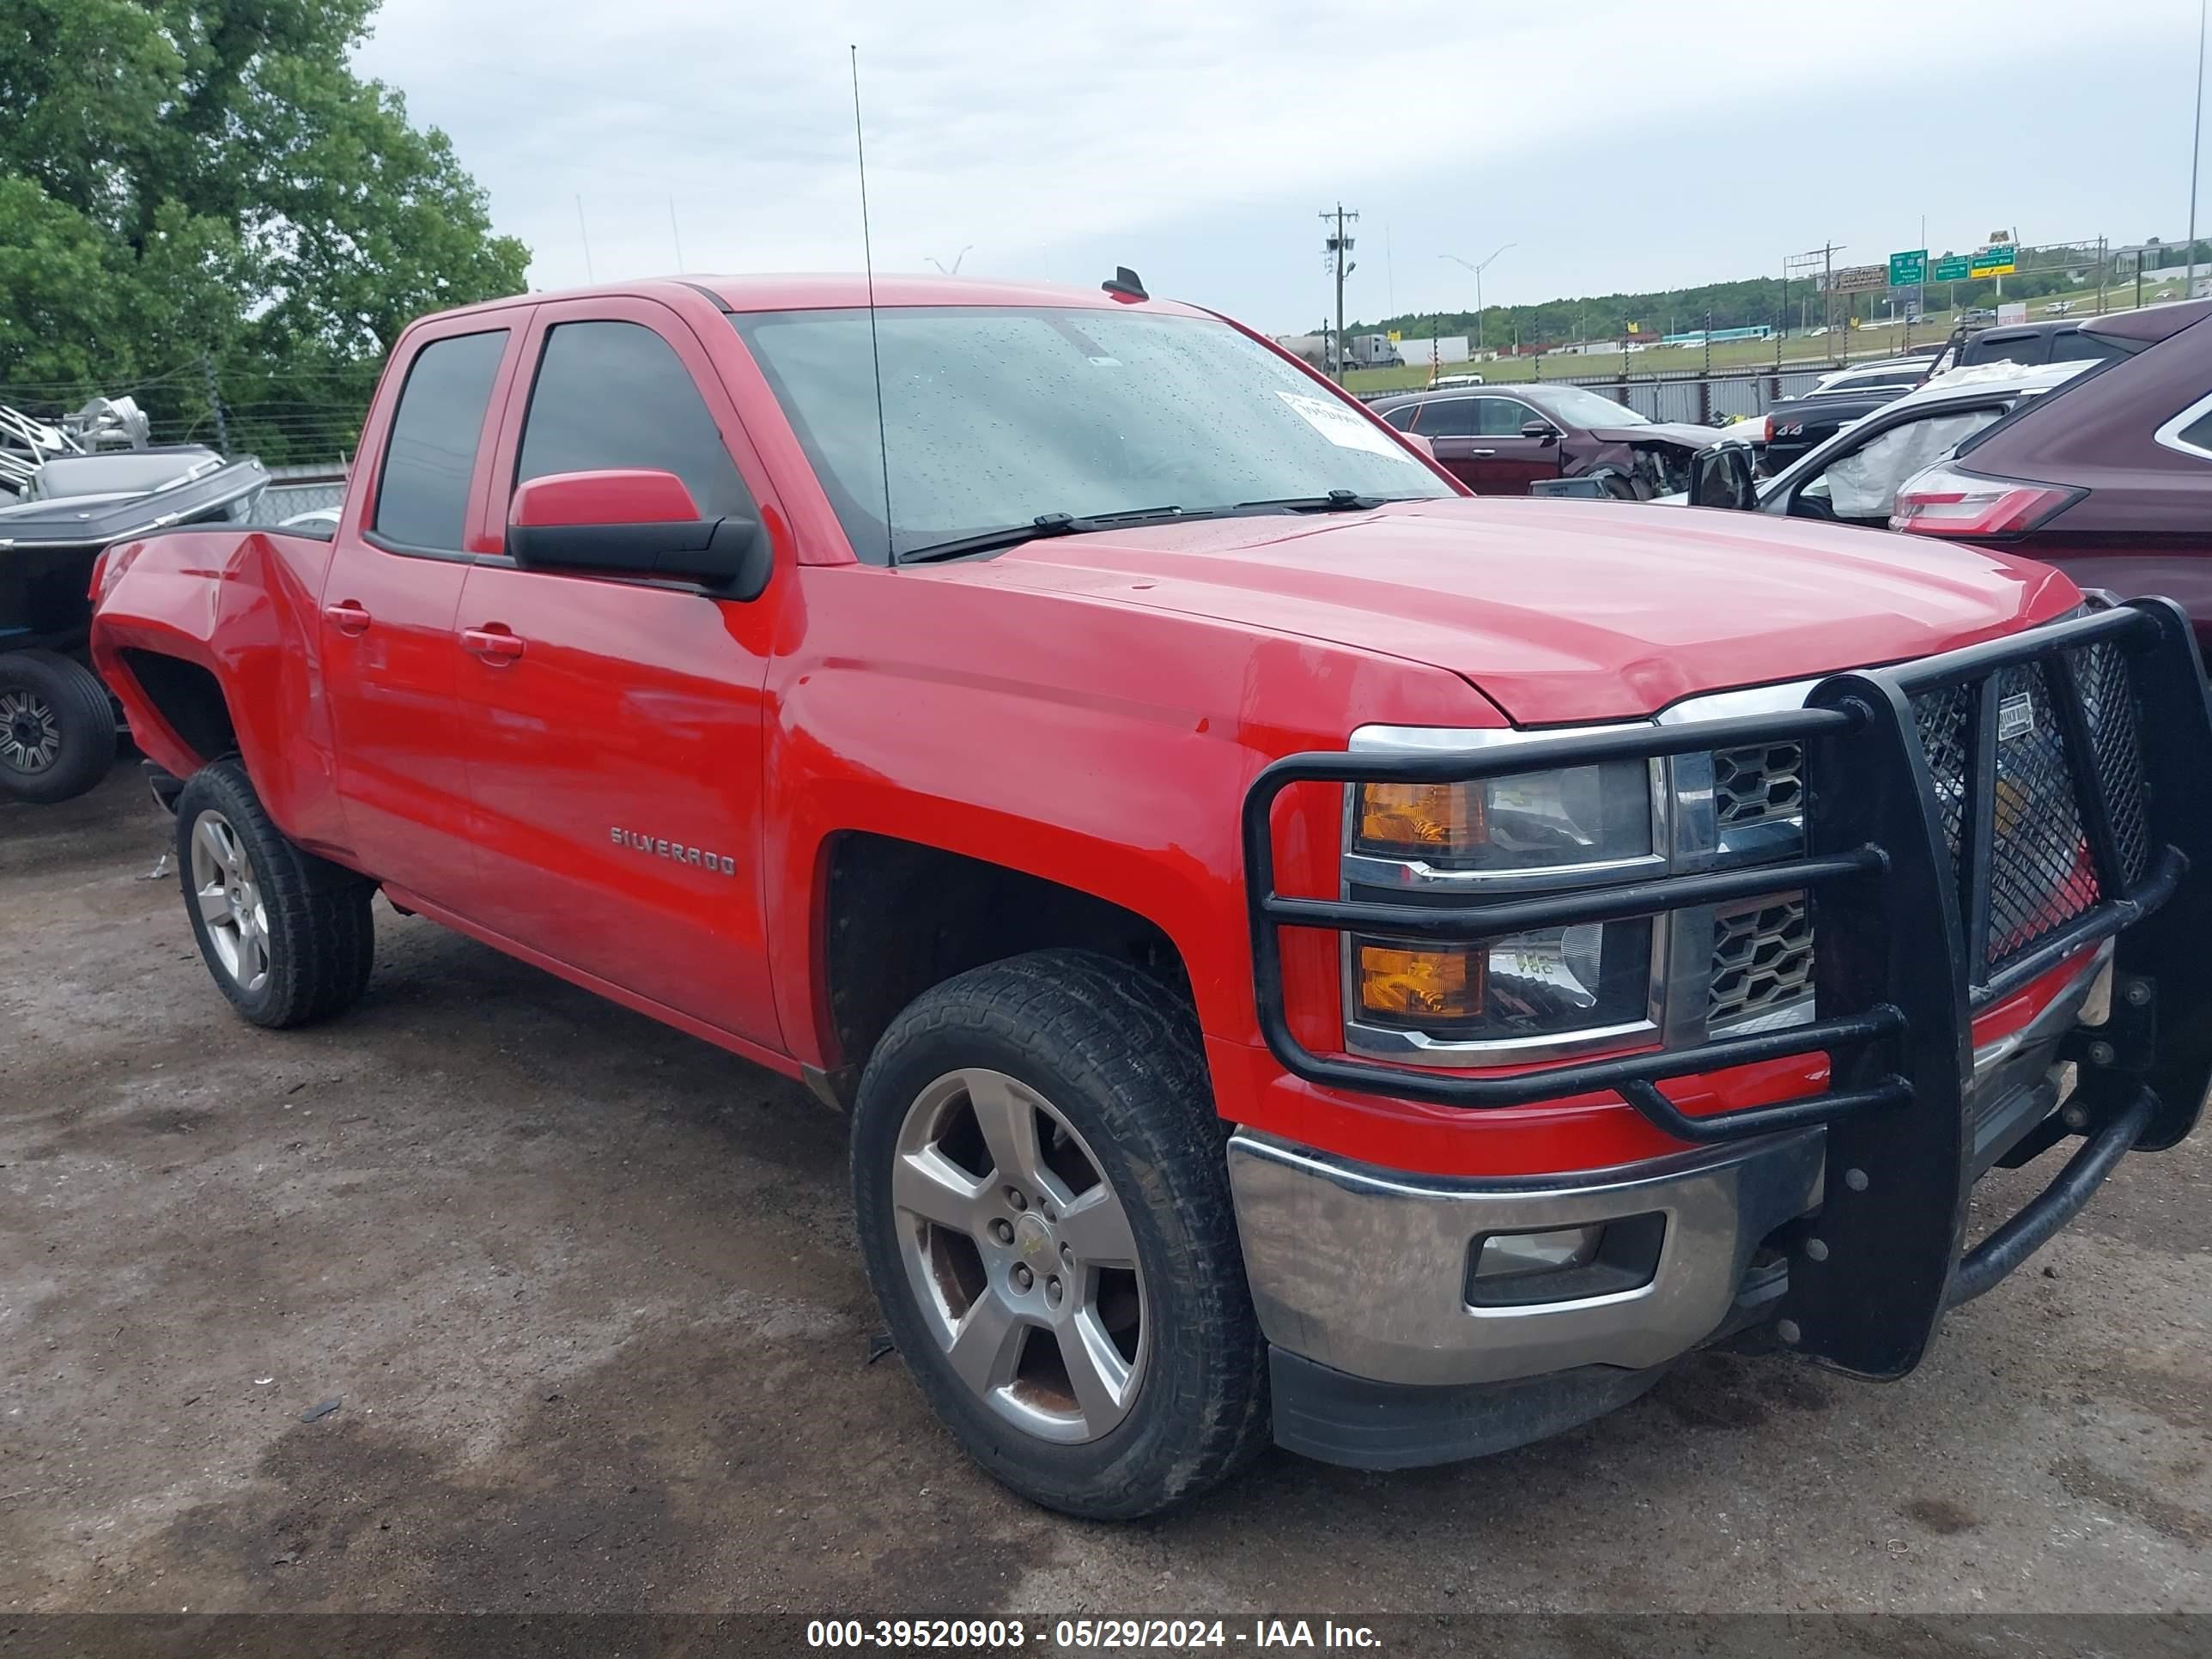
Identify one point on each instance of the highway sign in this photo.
(1995, 260)
(1908, 269)
(1857, 279)
(1952, 268)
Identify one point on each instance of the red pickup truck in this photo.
(1304, 950)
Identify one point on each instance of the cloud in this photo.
(1050, 137)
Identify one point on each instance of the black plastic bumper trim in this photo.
(1333, 1417)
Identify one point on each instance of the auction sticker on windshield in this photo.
(1340, 426)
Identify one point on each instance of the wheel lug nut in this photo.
(1045, 1210)
(1003, 1231)
(1022, 1277)
(1067, 1256)
(1052, 1290)
(1014, 1197)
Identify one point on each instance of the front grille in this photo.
(1762, 961)
(1943, 717)
(1757, 785)
(2108, 701)
(2041, 874)
(2040, 877)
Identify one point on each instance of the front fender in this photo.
(1100, 746)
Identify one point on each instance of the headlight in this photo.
(1527, 830)
(1533, 821)
(1553, 982)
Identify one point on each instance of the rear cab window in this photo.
(423, 494)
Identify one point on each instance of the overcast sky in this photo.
(1619, 145)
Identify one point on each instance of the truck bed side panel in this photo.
(245, 605)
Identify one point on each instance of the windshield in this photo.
(1575, 407)
(1000, 415)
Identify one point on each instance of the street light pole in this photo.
(1478, 270)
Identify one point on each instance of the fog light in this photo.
(1510, 1255)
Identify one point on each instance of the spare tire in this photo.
(56, 728)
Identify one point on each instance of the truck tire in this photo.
(288, 937)
(1042, 1204)
(56, 728)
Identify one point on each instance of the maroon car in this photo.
(2110, 480)
(1498, 440)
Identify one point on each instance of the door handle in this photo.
(1479, 453)
(348, 617)
(495, 646)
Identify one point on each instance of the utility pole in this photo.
(2195, 143)
(1338, 246)
(1828, 287)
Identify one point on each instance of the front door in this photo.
(1511, 459)
(387, 627)
(616, 727)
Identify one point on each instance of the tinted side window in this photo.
(2079, 347)
(423, 498)
(2025, 348)
(617, 395)
(1451, 417)
(2197, 434)
(1502, 417)
(1402, 418)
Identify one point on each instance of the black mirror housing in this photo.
(1720, 476)
(731, 558)
(1543, 429)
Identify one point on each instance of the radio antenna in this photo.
(875, 348)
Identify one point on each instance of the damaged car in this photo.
(1504, 442)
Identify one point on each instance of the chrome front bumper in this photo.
(1368, 1271)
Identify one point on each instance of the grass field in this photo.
(1871, 340)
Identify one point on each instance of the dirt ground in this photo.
(585, 1294)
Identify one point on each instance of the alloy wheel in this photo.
(30, 731)
(1019, 1253)
(229, 895)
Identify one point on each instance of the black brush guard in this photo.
(1899, 876)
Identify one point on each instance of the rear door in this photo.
(615, 727)
(1450, 426)
(388, 605)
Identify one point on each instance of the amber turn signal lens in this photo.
(1422, 817)
(1413, 984)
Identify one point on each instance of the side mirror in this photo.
(634, 522)
(1543, 429)
(1720, 476)
(1419, 445)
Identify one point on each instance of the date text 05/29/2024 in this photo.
(1088, 1634)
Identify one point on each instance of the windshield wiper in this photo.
(1337, 501)
(1045, 525)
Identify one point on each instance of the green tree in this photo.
(206, 182)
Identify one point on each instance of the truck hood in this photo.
(1558, 610)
